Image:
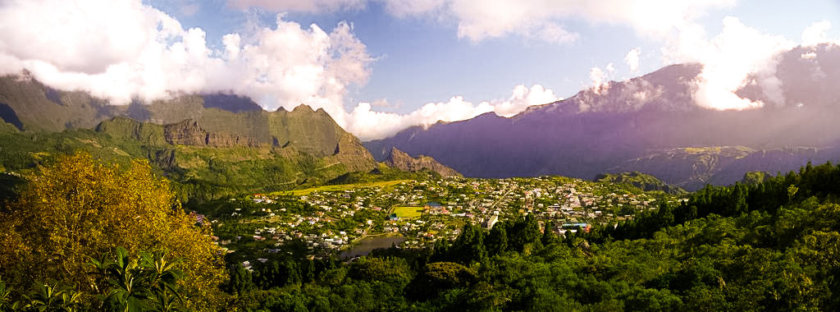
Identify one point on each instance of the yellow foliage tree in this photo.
(78, 209)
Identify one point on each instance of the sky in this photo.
(380, 66)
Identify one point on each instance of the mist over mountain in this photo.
(652, 124)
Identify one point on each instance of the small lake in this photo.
(368, 244)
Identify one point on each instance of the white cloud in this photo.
(521, 98)
(728, 59)
(368, 124)
(632, 59)
(89, 37)
(121, 50)
(597, 76)
(601, 77)
(816, 33)
(140, 52)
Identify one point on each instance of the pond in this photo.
(368, 244)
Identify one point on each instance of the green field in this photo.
(340, 187)
(408, 212)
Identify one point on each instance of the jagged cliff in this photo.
(215, 120)
(206, 142)
(400, 160)
(188, 132)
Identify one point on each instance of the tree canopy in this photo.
(76, 209)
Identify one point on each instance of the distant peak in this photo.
(303, 108)
(395, 152)
(403, 161)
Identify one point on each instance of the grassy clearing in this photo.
(408, 212)
(340, 187)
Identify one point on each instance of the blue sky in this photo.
(379, 66)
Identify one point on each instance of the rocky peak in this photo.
(303, 108)
(400, 160)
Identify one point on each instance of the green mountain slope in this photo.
(200, 169)
(639, 180)
(32, 106)
(209, 144)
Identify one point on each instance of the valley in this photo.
(324, 221)
(626, 196)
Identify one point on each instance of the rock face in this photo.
(400, 160)
(188, 132)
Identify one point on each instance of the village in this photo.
(329, 221)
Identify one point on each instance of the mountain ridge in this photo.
(604, 129)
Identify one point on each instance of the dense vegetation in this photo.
(197, 172)
(771, 245)
(768, 246)
(77, 210)
(644, 182)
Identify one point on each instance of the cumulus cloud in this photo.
(816, 33)
(124, 50)
(728, 59)
(137, 52)
(601, 77)
(632, 59)
(368, 124)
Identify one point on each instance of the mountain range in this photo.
(211, 145)
(651, 124)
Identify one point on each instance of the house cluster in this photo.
(327, 221)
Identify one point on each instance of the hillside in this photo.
(644, 182)
(203, 164)
(211, 141)
(649, 124)
(29, 105)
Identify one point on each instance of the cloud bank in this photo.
(124, 50)
(735, 57)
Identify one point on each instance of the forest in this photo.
(82, 235)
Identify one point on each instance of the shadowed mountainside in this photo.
(649, 124)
